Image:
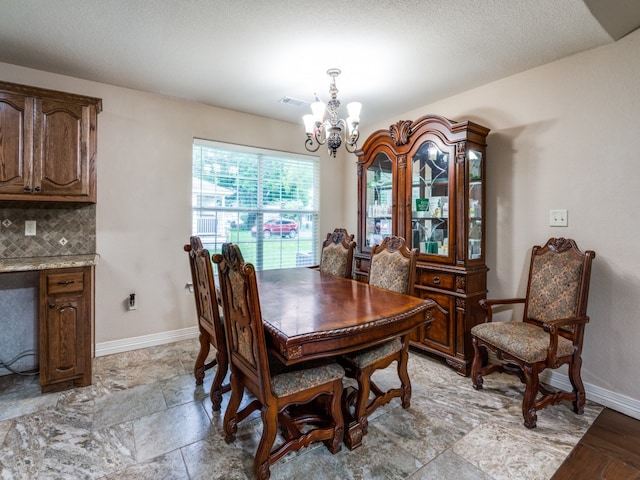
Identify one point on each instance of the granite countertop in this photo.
(44, 263)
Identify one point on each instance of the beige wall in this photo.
(144, 196)
(566, 135)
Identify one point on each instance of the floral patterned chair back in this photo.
(393, 265)
(555, 286)
(337, 254)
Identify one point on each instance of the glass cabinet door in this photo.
(475, 204)
(379, 200)
(430, 200)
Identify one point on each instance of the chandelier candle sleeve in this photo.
(324, 127)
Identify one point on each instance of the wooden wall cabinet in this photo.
(66, 297)
(47, 145)
(425, 181)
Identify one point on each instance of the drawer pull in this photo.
(27, 188)
(66, 282)
(37, 189)
(52, 305)
(436, 280)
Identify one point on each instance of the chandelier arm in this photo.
(309, 144)
(320, 134)
(349, 140)
(353, 138)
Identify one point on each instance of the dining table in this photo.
(309, 315)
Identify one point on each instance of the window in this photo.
(263, 200)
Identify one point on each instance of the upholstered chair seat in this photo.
(366, 358)
(550, 333)
(524, 341)
(296, 381)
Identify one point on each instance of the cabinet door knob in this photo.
(27, 188)
(436, 280)
(52, 305)
(37, 189)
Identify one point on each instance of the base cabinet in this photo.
(457, 295)
(65, 328)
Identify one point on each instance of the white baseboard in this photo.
(615, 401)
(134, 343)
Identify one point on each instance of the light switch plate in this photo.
(558, 218)
(30, 228)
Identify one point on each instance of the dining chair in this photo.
(277, 390)
(337, 253)
(392, 267)
(209, 321)
(550, 333)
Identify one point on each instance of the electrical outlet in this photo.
(558, 218)
(132, 301)
(30, 228)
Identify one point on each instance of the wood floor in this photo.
(609, 450)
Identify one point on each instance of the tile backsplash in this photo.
(61, 229)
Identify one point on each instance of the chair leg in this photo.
(530, 393)
(404, 374)
(358, 424)
(200, 367)
(216, 387)
(335, 444)
(479, 356)
(231, 414)
(578, 387)
(362, 399)
(269, 430)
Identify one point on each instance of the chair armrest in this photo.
(488, 305)
(552, 326)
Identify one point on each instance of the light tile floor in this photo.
(144, 418)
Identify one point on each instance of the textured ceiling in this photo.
(245, 55)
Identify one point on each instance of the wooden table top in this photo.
(309, 314)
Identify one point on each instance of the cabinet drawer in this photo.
(445, 281)
(65, 282)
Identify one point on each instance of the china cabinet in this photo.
(424, 180)
(47, 145)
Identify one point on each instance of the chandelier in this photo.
(324, 127)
